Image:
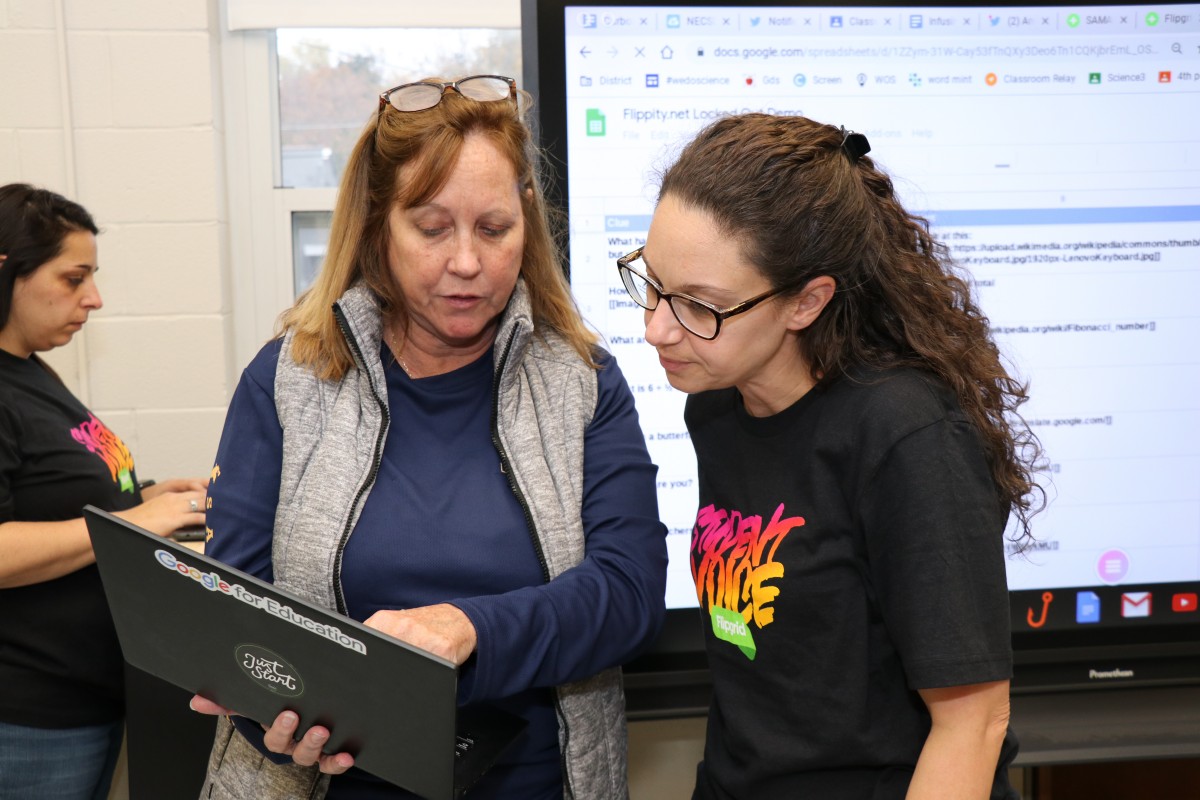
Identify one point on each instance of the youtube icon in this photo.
(1183, 601)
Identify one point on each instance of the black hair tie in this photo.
(855, 145)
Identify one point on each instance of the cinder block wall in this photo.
(116, 104)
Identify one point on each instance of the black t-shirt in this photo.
(853, 548)
(60, 663)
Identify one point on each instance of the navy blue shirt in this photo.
(418, 544)
(442, 525)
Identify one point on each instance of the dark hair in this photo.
(800, 205)
(34, 224)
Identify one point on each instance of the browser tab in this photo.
(1023, 20)
(623, 21)
(1106, 20)
(936, 20)
(1178, 20)
(778, 20)
(864, 20)
(781, 22)
(702, 19)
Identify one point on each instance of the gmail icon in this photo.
(1135, 604)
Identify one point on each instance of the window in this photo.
(330, 79)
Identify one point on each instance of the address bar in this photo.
(1081, 50)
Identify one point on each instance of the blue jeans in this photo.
(58, 764)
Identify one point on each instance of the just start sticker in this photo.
(269, 670)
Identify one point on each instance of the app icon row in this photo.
(1133, 605)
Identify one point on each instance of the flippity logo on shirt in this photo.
(98, 439)
(734, 567)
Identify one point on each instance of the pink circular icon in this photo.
(1113, 566)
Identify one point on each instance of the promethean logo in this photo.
(268, 670)
(1097, 675)
(215, 583)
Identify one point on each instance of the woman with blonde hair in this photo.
(437, 447)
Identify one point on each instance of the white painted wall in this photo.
(114, 103)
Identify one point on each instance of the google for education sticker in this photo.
(728, 626)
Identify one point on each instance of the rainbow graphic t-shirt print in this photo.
(736, 574)
(98, 439)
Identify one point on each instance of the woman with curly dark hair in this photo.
(859, 458)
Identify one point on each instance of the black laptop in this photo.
(249, 646)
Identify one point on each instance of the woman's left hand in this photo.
(175, 485)
(443, 630)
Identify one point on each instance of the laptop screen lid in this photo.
(250, 646)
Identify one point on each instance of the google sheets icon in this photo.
(595, 122)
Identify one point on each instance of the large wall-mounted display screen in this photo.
(1055, 149)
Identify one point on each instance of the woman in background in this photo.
(859, 456)
(62, 704)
